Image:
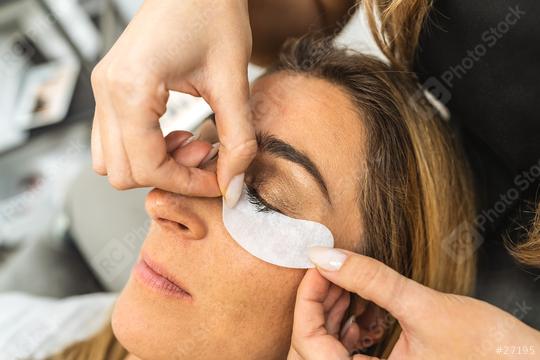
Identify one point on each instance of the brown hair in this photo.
(396, 26)
(528, 252)
(102, 346)
(414, 196)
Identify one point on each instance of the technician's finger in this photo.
(336, 313)
(151, 165)
(334, 293)
(192, 154)
(229, 100)
(178, 138)
(118, 166)
(98, 160)
(309, 309)
(373, 281)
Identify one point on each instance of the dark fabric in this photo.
(482, 59)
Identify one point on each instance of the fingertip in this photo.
(234, 190)
(180, 138)
(192, 154)
(99, 168)
(235, 157)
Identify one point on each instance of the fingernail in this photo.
(190, 139)
(211, 154)
(327, 258)
(346, 326)
(234, 190)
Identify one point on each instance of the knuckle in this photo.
(99, 168)
(119, 182)
(135, 88)
(141, 176)
(245, 151)
(143, 173)
(117, 77)
(370, 275)
(97, 75)
(187, 186)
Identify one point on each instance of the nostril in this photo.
(168, 222)
(189, 228)
(182, 226)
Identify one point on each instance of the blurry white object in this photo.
(128, 8)
(10, 137)
(186, 112)
(37, 327)
(46, 94)
(108, 226)
(34, 181)
(37, 25)
(78, 26)
(11, 72)
(357, 36)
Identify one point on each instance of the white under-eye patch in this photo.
(274, 237)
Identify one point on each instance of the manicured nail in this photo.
(190, 139)
(211, 154)
(234, 190)
(346, 326)
(327, 258)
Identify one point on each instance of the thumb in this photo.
(310, 338)
(405, 299)
(229, 98)
(309, 311)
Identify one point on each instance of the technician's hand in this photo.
(200, 47)
(435, 325)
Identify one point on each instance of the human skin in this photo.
(196, 47)
(240, 306)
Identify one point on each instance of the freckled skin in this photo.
(242, 307)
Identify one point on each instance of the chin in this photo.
(151, 328)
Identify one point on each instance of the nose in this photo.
(176, 212)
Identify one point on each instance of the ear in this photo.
(366, 325)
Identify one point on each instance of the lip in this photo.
(155, 277)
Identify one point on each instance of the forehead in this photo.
(316, 117)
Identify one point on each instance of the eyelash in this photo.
(256, 199)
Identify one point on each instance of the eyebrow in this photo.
(279, 148)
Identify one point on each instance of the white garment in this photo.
(34, 327)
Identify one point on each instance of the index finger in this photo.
(146, 149)
(373, 281)
(229, 98)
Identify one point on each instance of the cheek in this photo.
(243, 282)
(258, 299)
(254, 299)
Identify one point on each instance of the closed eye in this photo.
(256, 199)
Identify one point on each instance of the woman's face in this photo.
(238, 306)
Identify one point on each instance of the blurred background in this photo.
(47, 191)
